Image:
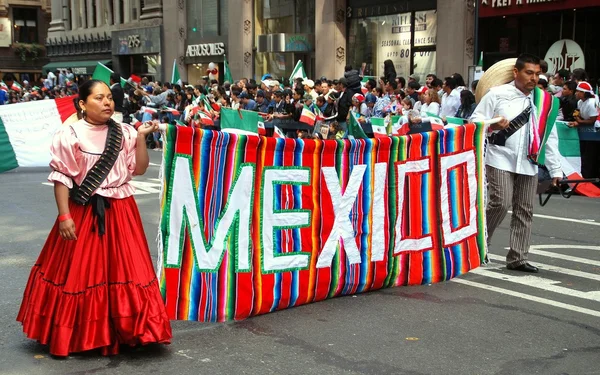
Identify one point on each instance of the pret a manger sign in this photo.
(272, 224)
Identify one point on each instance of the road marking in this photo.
(536, 282)
(570, 258)
(564, 219)
(544, 301)
(551, 268)
(582, 247)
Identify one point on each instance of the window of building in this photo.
(372, 40)
(25, 24)
(203, 17)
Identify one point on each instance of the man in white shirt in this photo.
(450, 99)
(588, 114)
(512, 177)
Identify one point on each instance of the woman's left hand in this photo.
(148, 127)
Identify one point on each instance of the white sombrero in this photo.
(498, 74)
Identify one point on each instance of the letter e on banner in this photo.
(466, 160)
(285, 219)
(403, 244)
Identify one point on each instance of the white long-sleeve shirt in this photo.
(508, 101)
(450, 103)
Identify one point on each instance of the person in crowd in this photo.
(419, 103)
(412, 91)
(474, 86)
(331, 99)
(309, 86)
(579, 75)
(321, 103)
(118, 96)
(389, 71)
(352, 80)
(467, 105)
(401, 81)
(460, 81)
(568, 101)
(414, 78)
(450, 98)
(94, 285)
(262, 104)
(336, 131)
(558, 81)
(431, 103)
(429, 80)
(246, 101)
(359, 106)
(510, 161)
(437, 84)
(543, 84)
(586, 115)
(344, 103)
(406, 105)
(382, 107)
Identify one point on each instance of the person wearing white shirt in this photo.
(588, 114)
(431, 103)
(512, 177)
(450, 99)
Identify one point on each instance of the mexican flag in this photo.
(570, 158)
(354, 128)
(307, 116)
(27, 129)
(436, 120)
(17, 87)
(455, 121)
(227, 77)
(103, 72)
(239, 121)
(298, 72)
(379, 127)
(175, 77)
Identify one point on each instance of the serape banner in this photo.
(252, 225)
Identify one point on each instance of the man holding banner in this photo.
(524, 137)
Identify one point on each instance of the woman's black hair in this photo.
(460, 81)
(467, 98)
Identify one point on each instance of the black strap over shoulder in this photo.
(517, 123)
(97, 174)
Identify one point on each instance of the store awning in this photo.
(78, 67)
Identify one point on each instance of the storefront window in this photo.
(372, 40)
(296, 19)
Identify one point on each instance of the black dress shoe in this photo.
(524, 268)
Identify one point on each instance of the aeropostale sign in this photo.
(206, 49)
(251, 225)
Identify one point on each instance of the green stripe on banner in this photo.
(8, 159)
(455, 120)
(568, 140)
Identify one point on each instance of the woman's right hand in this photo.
(67, 229)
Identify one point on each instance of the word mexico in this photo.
(252, 225)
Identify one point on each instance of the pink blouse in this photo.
(76, 148)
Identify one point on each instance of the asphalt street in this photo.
(491, 321)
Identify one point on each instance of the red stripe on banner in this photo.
(244, 281)
(267, 281)
(380, 269)
(183, 145)
(415, 272)
(324, 275)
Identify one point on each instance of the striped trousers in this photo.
(506, 190)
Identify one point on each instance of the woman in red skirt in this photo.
(93, 285)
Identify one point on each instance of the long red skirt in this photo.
(97, 291)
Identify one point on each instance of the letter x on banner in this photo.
(251, 225)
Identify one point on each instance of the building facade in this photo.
(126, 35)
(23, 28)
(269, 36)
(562, 32)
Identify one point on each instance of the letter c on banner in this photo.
(465, 159)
